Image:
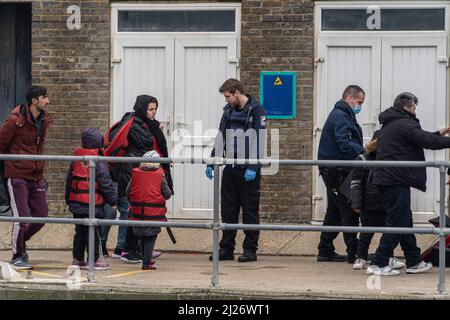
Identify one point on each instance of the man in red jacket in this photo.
(24, 132)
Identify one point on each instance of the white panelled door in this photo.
(412, 64)
(397, 63)
(143, 66)
(346, 60)
(201, 66)
(184, 74)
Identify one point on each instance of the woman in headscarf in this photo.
(145, 135)
(147, 112)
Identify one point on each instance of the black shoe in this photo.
(131, 257)
(247, 256)
(334, 257)
(223, 255)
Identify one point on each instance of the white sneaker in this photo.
(385, 271)
(419, 268)
(395, 263)
(359, 264)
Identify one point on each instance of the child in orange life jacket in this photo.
(147, 193)
(77, 195)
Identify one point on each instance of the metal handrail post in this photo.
(215, 262)
(442, 225)
(91, 243)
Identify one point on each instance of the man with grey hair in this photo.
(402, 139)
(341, 140)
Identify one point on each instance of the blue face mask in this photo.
(356, 109)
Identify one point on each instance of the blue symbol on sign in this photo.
(278, 94)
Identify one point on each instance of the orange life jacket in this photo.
(79, 191)
(146, 199)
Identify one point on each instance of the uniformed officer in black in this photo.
(341, 139)
(243, 118)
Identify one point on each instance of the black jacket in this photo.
(341, 137)
(140, 141)
(142, 134)
(364, 194)
(256, 120)
(402, 139)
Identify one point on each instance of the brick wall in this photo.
(74, 66)
(277, 35)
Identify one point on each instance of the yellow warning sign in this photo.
(278, 82)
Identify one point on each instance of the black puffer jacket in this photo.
(402, 139)
(364, 193)
(143, 135)
(140, 141)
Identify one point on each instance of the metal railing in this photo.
(216, 225)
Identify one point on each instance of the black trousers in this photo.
(397, 202)
(147, 237)
(147, 246)
(81, 240)
(131, 241)
(369, 218)
(237, 193)
(339, 213)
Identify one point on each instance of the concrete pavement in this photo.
(188, 276)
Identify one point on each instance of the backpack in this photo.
(434, 258)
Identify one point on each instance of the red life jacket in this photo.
(116, 139)
(79, 191)
(146, 199)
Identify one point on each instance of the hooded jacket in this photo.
(402, 139)
(21, 134)
(92, 139)
(364, 194)
(341, 137)
(144, 135)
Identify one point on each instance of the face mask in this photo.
(356, 109)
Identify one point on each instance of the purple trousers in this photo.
(28, 198)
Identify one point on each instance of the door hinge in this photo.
(234, 60)
(316, 197)
(318, 60)
(445, 60)
(114, 61)
(316, 129)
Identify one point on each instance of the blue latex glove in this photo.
(249, 175)
(209, 172)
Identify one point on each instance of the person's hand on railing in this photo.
(209, 172)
